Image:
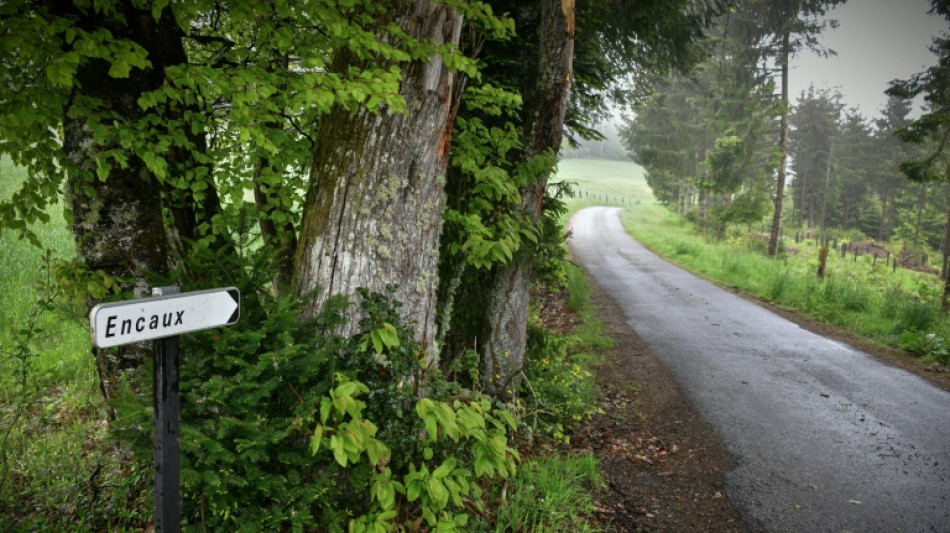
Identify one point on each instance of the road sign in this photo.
(129, 321)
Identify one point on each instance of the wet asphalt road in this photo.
(826, 438)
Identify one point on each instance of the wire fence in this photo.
(606, 198)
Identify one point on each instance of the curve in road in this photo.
(827, 438)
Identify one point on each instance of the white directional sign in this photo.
(129, 321)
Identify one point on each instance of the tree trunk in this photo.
(117, 222)
(682, 198)
(801, 207)
(825, 192)
(880, 230)
(921, 203)
(548, 25)
(374, 213)
(776, 235)
(280, 237)
(945, 299)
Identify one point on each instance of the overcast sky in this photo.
(877, 41)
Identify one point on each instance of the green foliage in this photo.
(917, 315)
(559, 389)
(228, 104)
(288, 425)
(930, 346)
(482, 224)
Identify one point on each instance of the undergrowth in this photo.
(287, 426)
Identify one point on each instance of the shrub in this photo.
(843, 295)
(931, 347)
(289, 426)
(558, 388)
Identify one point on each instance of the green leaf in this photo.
(445, 469)
(316, 439)
(389, 335)
(120, 69)
(157, 7)
(438, 493)
(377, 341)
(325, 406)
(339, 450)
(483, 466)
(413, 491)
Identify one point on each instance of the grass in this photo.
(602, 182)
(871, 300)
(53, 455)
(551, 494)
(868, 299)
(590, 330)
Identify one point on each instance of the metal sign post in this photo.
(163, 319)
(166, 409)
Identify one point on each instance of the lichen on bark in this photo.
(373, 216)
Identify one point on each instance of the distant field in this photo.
(602, 182)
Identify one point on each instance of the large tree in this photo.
(815, 124)
(73, 80)
(708, 134)
(147, 115)
(548, 30)
(374, 214)
(786, 28)
(932, 128)
(887, 178)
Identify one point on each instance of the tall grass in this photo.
(552, 495)
(51, 430)
(871, 300)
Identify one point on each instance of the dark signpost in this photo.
(162, 319)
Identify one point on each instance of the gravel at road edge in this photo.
(663, 465)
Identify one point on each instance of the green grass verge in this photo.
(56, 472)
(551, 494)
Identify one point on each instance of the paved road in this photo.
(827, 438)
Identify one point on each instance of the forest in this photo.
(726, 145)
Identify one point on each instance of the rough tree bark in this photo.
(374, 213)
(549, 26)
(117, 221)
